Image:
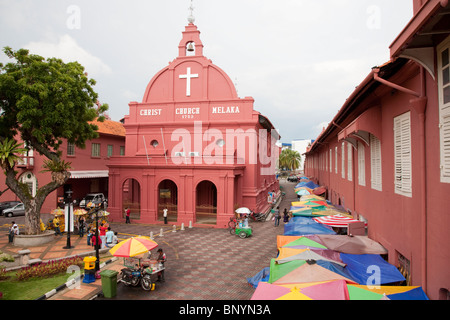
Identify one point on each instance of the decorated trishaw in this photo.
(138, 268)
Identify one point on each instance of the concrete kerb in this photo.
(70, 283)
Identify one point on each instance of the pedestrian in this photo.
(109, 237)
(13, 231)
(286, 216)
(161, 259)
(165, 215)
(89, 237)
(94, 240)
(81, 226)
(102, 234)
(277, 216)
(127, 215)
(56, 226)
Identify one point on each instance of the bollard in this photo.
(190, 224)
(161, 232)
(174, 229)
(151, 235)
(182, 226)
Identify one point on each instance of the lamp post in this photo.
(96, 206)
(68, 205)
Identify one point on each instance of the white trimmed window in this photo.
(95, 150)
(349, 161)
(331, 160)
(375, 163)
(443, 51)
(402, 154)
(335, 159)
(361, 164)
(343, 159)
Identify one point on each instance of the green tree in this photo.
(289, 159)
(42, 103)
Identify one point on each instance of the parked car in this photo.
(7, 205)
(17, 210)
(92, 197)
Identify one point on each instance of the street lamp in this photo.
(96, 206)
(69, 207)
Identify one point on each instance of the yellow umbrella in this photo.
(79, 212)
(103, 213)
(57, 212)
(133, 247)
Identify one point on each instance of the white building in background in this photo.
(300, 146)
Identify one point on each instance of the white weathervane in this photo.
(191, 18)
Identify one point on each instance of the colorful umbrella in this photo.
(308, 271)
(133, 247)
(79, 212)
(308, 254)
(103, 213)
(337, 220)
(361, 292)
(57, 212)
(323, 290)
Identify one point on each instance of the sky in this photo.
(299, 59)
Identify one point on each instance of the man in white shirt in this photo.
(165, 215)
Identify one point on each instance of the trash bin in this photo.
(109, 283)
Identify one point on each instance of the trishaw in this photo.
(137, 268)
(243, 232)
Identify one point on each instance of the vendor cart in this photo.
(137, 269)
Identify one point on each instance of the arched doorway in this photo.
(168, 198)
(206, 203)
(131, 198)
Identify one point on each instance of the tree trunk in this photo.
(33, 204)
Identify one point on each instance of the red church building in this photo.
(385, 156)
(193, 146)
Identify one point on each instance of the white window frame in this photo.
(336, 159)
(349, 161)
(95, 150)
(343, 159)
(444, 114)
(361, 164)
(331, 160)
(375, 164)
(402, 155)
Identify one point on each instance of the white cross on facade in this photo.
(188, 76)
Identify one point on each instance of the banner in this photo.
(68, 210)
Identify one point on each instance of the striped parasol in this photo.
(133, 247)
(336, 220)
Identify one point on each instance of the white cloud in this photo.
(68, 50)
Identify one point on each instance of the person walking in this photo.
(165, 215)
(277, 217)
(81, 226)
(127, 215)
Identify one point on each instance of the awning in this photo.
(89, 174)
(369, 122)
